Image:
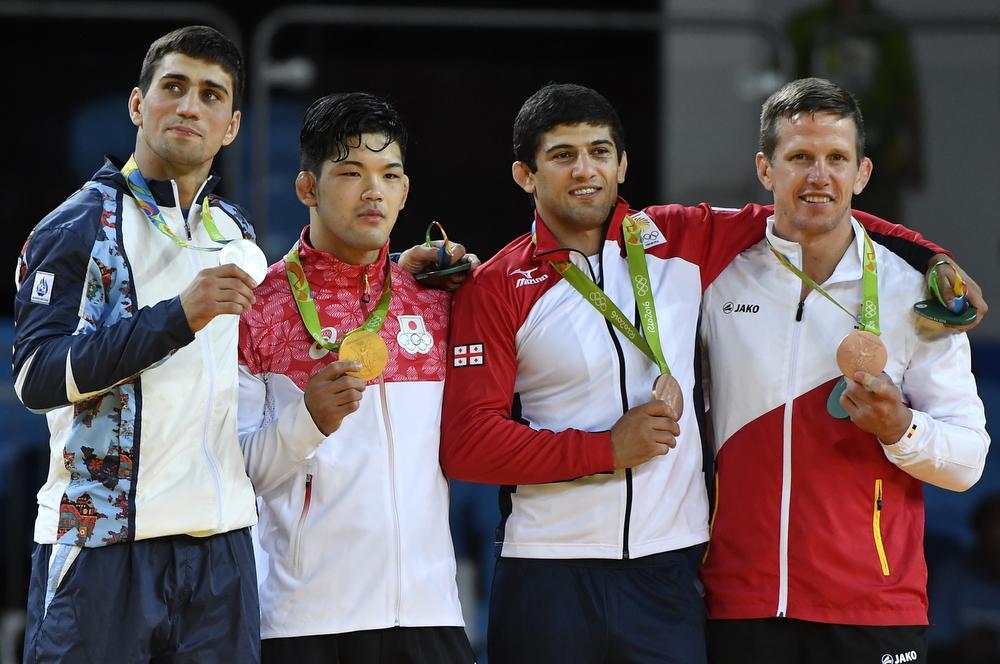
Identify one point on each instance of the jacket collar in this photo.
(328, 269)
(163, 191)
(547, 247)
(850, 265)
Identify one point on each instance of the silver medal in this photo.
(247, 256)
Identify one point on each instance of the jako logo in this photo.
(900, 658)
(526, 279)
(733, 308)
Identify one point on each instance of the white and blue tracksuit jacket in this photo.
(142, 412)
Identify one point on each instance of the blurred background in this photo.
(688, 78)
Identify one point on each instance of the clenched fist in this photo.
(331, 395)
(217, 290)
(642, 433)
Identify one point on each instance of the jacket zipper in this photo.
(206, 345)
(626, 520)
(628, 471)
(392, 490)
(177, 202)
(786, 468)
(300, 526)
(877, 528)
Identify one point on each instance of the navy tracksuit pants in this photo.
(597, 611)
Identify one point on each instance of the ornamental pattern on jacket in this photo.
(275, 339)
(81, 245)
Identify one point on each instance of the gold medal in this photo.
(667, 389)
(367, 349)
(861, 351)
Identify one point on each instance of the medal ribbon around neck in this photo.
(868, 320)
(307, 306)
(649, 340)
(144, 198)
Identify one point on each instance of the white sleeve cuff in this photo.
(911, 440)
(298, 431)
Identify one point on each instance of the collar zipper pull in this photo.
(366, 289)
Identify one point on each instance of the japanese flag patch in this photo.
(41, 291)
(413, 336)
(468, 355)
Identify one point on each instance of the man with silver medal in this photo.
(830, 407)
(341, 377)
(126, 336)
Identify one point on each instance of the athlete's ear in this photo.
(864, 175)
(523, 176)
(764, 171)
(232, 129)
(305, 188)
(135, 107)
(622, 167)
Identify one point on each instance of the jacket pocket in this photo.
(877, 528)
(300, 526)
(711, 521)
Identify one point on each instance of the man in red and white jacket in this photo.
(604, 498)
(817, 538)
(353, 504)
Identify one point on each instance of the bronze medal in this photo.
(861, 351)
(667, 389)
(367, 349)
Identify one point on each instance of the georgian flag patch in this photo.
(468, 355)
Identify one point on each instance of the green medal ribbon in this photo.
(144, 199)
(868, 320)
(307, 306)
(649, 340)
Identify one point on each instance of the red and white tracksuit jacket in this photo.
(354, 526)
(518, 327)
(814, 518)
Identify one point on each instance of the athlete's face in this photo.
(814, 173)
(355, 201)
(185, 117)
(576, 182)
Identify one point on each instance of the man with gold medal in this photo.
(829, 409)
(341, 380)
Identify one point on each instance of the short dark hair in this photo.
(811, 95)
(562, 103)
(196, 41)
(334, 124)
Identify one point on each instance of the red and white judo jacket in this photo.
(354, 526)
(814, 518)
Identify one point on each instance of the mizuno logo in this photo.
(526, 279)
